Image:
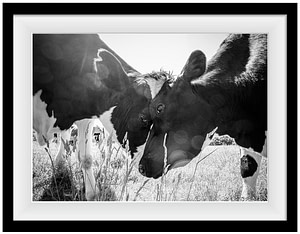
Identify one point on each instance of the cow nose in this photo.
(142, 169)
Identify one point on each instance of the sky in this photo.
(152, 52)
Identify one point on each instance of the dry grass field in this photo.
(216, 178)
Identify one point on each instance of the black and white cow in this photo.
(77, 77)
(229, 94)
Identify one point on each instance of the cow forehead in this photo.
(154, 85)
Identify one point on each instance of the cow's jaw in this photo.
(42, 122)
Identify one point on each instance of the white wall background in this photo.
(152, 52)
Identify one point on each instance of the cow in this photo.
(77, 77)
(226, 96)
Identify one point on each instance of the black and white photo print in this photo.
(149, 117)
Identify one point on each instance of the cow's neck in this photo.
(107, 100)
(236, 112)
(113, 101)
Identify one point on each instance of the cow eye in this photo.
(160, 108)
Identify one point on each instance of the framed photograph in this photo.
(185, 114)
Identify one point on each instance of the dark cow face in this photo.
(230, 95)
(132, 115)
(185, 134)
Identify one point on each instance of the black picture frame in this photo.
(11, 9)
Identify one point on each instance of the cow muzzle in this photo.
(149, 168)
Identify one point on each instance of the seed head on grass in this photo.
(53, 168)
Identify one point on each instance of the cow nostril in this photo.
(142, 170)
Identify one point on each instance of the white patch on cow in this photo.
(154, 85)
(60, 156)
(42, 123)
(84, 153)
(254, 154)
(249, 183)
(208, 138)
(105, 119)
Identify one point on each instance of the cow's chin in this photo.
(176, 159)
(180, 163)
(155, 173)
(179, 158)
(176, 164)
(152, 165)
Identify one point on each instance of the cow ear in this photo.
(195, 66)
(111, 71)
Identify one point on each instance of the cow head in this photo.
(130, 98)
(230, 93)
(77, 76)
(173, 112)
(131, 117)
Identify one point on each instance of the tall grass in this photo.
(54, 172)
(195, 170)
(217, 178)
